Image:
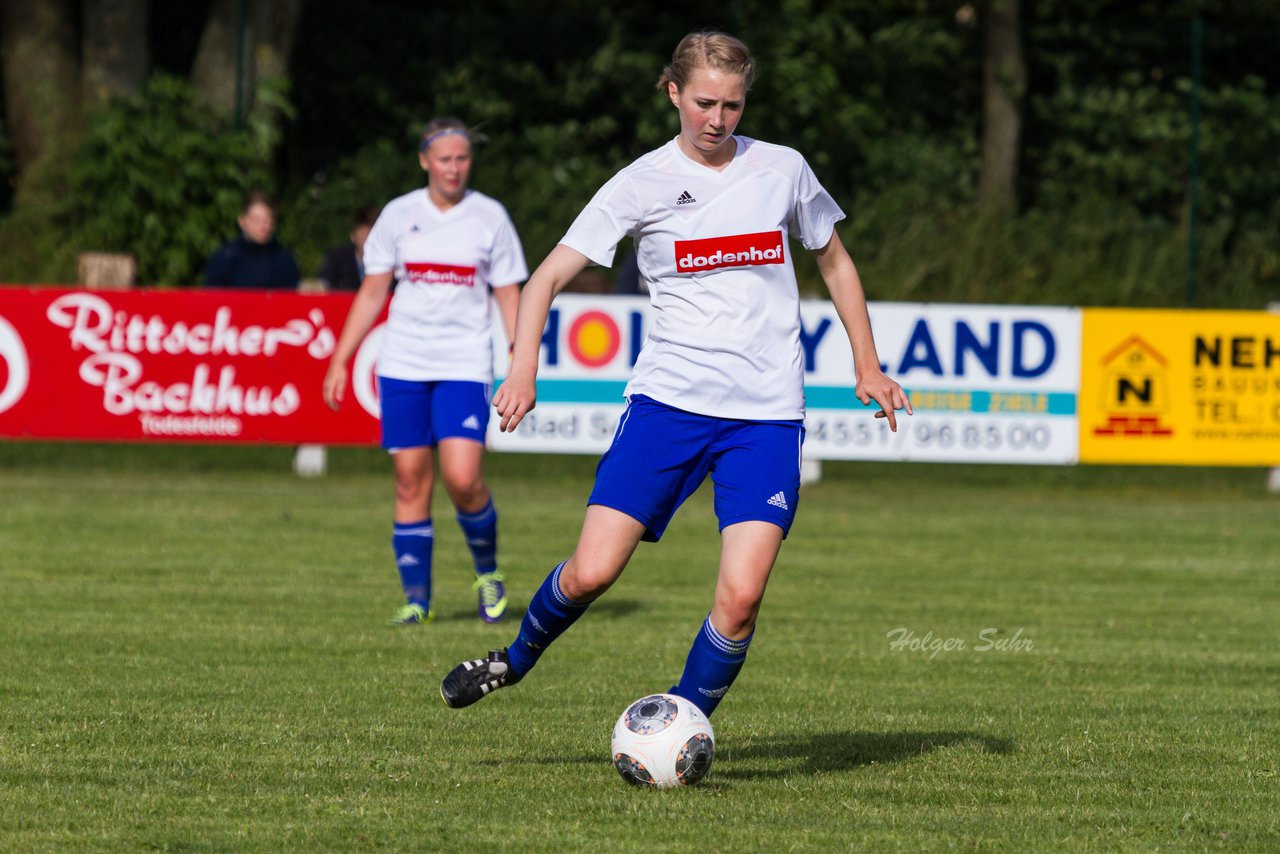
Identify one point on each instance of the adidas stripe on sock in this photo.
(412, 544)
(481, 531)
(713, 664)
(550, 614)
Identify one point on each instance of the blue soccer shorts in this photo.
(660, 456)
(417, 413)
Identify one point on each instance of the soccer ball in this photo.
(663, 741)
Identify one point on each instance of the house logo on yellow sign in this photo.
(1135, 391)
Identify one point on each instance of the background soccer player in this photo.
(718, 387)
(448, 247)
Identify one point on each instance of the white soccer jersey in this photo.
(438, 327)
(713, 248)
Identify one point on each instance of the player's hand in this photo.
(516, 396)
(335, 385)
(874, 385)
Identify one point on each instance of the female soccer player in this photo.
(718, 386)
(448, 247)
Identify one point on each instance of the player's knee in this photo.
(411, 488)
(582, 582)
(467, 493)
(737, 607)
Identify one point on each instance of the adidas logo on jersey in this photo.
(779, 500)
(736, 250)
(471, 423)
(685, 199)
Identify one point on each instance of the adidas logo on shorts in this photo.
(779, 500)
(471, 423)
(685, 199)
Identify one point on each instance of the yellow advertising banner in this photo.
(1181, 387)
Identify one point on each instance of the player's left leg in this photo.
(757, 487)
(459, 419)
(747, 554)
(460, 470)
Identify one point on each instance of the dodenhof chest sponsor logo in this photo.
(431, 273)
(736, 250)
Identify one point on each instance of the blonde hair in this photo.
(443, 126)
(708, 49)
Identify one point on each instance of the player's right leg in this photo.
(657, 459)
(412, 535)
(407, 436)
(607, 542)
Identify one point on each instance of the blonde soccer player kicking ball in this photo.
(718, 386)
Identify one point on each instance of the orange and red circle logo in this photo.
(594, 339)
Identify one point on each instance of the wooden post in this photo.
(110, 271)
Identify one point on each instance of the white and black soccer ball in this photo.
(663, 741)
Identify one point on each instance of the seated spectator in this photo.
(255, 259)
(343, 267)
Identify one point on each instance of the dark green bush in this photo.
(162, 176)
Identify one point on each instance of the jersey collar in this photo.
(706, 171)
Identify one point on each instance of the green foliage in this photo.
(884, 98)
(162, 176)
(1095, 251)
(319, 214)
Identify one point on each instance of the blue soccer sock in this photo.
(412, 542)
(550, 614)
(712, 665)
(481, 531)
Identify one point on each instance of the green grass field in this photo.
(194, 657)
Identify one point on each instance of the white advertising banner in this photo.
(987, 383)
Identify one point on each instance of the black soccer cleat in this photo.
(474, 680)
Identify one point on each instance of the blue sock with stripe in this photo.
(412, 542)
(550, 614)
(713, 664)
(481, 531)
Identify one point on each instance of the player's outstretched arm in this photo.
(518, 392)
(841, 276)
(508, 302)
(368, 304)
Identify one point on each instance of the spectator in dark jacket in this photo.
(343, 267)
(255, 259)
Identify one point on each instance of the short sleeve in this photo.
(380, 245)
(506, 261)
(815, 213)
(607, 218)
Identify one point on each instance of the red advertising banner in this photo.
(183, 366)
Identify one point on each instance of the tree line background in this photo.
(996, 150)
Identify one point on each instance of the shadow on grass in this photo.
(755, 758)
(606, 607)
(764, 758)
